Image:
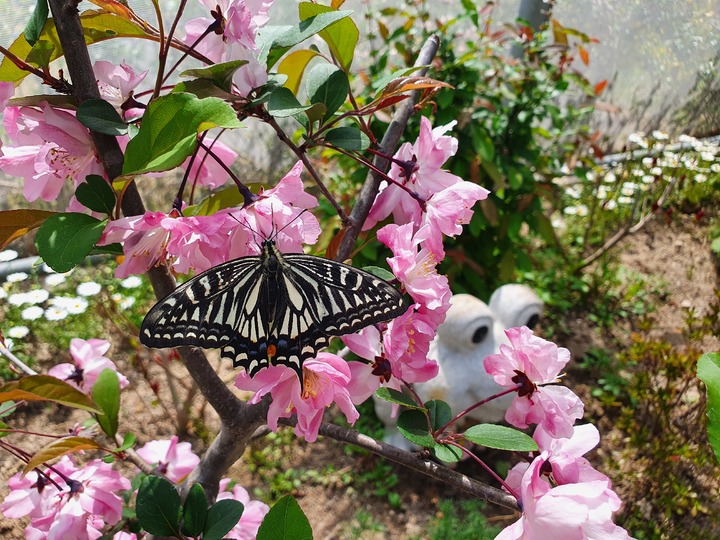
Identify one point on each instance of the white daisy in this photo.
(31, 313)
(131, 282)
(16, 277)
(8, 255)
(9, 344)
(18, 332)
(18, 299)
(37, 296)
(55, 313)
(3, 293)
(89, 288)
(700, 178)
(54, 279)
(127, 302)
(77, 305)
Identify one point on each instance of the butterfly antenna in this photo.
(245, 223)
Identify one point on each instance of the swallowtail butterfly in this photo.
(270, 309)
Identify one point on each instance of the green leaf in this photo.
(380, 272)
(98, 115)
(58, 448)
(482, 142)
(447, 453)
(168, 134)
(293, 66)
(501, 437)
(228, 197)
(285, 521)
(285, 39)
(97, 26)
(413, 425)
(283, 103)
(440, 413)
(46, 388)
(341, 36)
(195, 511)
(708, 371)
(395, 396)
(3, 427)
(115, 250)
(128, 441)
(329, 85)
(220, 74)
(7, 408)
(35, 25)
(64, 240)
(221, 518)
(106, 393)
(158, 507)
(97, 194)
(16, 223)
(203, 88)
(348, 137)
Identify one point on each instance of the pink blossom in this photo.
(173, 459)
(242, 20)
(278, 213)
(84, 505)
(144, 241)
(532, 361)
(198, 242)
(253, 514)
(407, 342)
(49, 146)
(325, 381)
(575, 511)
(424, 176)
(416, 269)
(116, 83)
(205, 170)
(122, 535)
(89, 362)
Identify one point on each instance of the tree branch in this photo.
(417, 463)
(387, 147)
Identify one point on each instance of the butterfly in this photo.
(271, 309)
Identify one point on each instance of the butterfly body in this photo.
(270, 309)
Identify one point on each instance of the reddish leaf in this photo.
(599, 87)
(15, 223)
(59, 448)
(408, 84)
(46, 388)
(584, 55)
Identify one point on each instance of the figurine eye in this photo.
(480, 334)
(533, 321)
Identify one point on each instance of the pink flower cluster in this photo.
(233, 39)
(579, 502)
(196, 243)
(67, 501)
(89, 360)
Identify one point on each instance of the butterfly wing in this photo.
(342, 299)
(207, 310)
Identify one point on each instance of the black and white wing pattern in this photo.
(271, 309)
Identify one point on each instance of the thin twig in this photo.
(15, 360)
(387, 147)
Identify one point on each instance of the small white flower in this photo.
(16, 277)
(89, 288)
(647, 161)
(715, 167)
(700, 178)
(18, 299)
(648, 179)
(611, 205)
(707, 156)
(581, 210)
(31, 313)
(55, 313)
(77, 305)
(37, 296)
(18, 332)
(570, 210)
(657, 171)
(639, 139)
(660, 135)
(9, 344)
(8, 255)
(602, 193)
(3, 293)
(610, 178)
(625, 200)
(127, 302)
(131, 282)
(54, 279)
(638, 172)
(628, 188)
